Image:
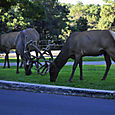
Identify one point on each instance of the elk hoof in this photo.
(52, 80)
(81, 79)
(102, 79)
(17, 72)
(69, 81)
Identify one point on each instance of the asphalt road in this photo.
(29, 103)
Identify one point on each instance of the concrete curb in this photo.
(56, 89)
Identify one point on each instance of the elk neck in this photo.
(62, 58)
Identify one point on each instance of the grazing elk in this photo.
(87, 43)
(107, 60)
(23, 47)
(7, 42)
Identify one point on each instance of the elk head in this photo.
(27, 62)
(27, 59)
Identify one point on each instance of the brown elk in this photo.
(87, 43)
(7, 42)
(23, 47)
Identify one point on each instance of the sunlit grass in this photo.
(100, 58)
(92, 75)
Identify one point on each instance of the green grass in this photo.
(95, 58)
(10, 59)
(92, 75)
(101, 58)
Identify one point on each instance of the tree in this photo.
(56, 19)
(89, 12)
(109, 1)
(76, 11)
(92, 14)
(12, 20)
(81, 25)
(6, 4)
(19, 14)
(107, 16)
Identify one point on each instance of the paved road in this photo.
(29, 103)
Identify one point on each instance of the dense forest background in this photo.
(53, 20)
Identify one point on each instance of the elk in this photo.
(24, 47)
(87, 43)
(7, 42)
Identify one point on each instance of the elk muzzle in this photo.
(27, 69)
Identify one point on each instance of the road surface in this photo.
(29, 103)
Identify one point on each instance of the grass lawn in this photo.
(10, 59)
(92, 75)
(95, 58)
(92, 58)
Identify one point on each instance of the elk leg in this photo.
(5, 62)
(8, 60)
(73, 70)
(21, 64)
(76, 62)
(17, 71)
(80, 66)
(108, 64)
(37, 65)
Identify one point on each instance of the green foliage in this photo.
(92, 14)
(80, 25)
(98, 17)
(33, 9)
(53, 20)
(6, 4)
(13, 20)
(92, 75)
(109, 1)
(107, 17)
(56, 19)
(76, 11)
